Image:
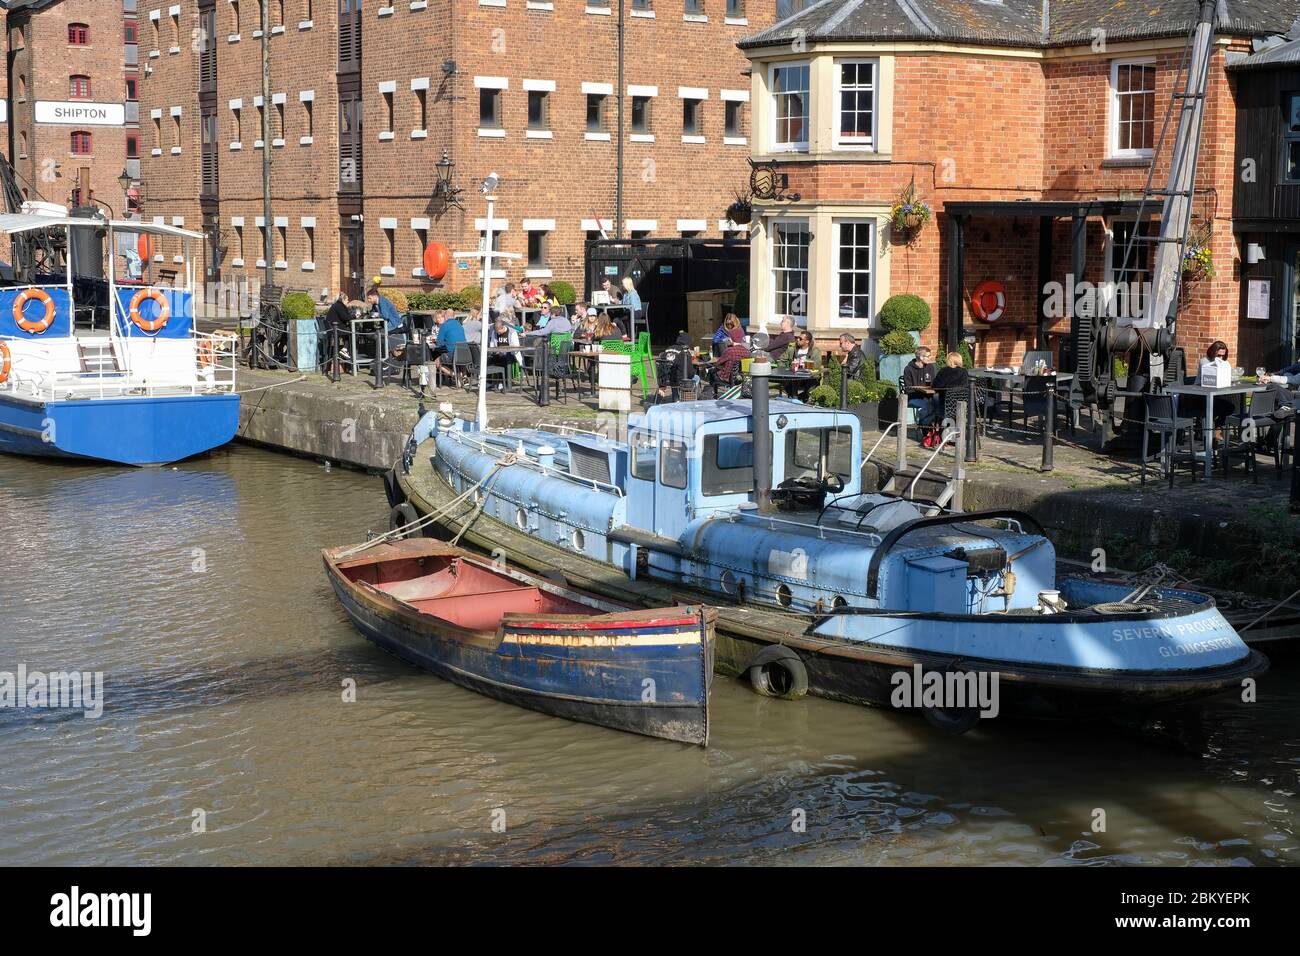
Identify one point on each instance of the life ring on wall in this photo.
(26, 324)
(436, 260)
(6, 362)
(989, 300)
(164, 310)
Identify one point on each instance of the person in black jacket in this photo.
(852, 359)
(918, 383)
(337, 319)
(952, 384)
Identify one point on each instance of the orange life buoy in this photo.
(5, 362)
(989, 300)
(436, 259)
(164, 310)
(26, 324)
(207, 353)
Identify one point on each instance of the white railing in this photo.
(213, 372)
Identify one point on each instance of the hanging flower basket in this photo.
(1197, 264)
(909, 213)
(740, 213)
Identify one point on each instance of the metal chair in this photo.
(462, 362)
(1251, 425)
(1161, 418)
(1033, 399)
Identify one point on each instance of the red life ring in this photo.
(436, 260)
(164, 310)
(26, 324)
(989, 300)
(6, 362)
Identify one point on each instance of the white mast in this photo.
(488, 257)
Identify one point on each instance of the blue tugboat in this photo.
(821, 587)
(145, 389)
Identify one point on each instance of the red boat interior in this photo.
(460, 592)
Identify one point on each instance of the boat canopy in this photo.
(17, 222)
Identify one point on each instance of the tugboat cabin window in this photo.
(818, 452)
(727, 465)
(643, 456)
(672, 469)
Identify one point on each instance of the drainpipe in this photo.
(268, 245)
(618, 150)
(758, 373)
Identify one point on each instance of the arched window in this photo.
(78, 87)
(78, 34)
(81, 143)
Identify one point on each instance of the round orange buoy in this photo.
(144, 246)
(436, 260)
(164, 310)
(989, 300)
(26, 324)
(6, 362)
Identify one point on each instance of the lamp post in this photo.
(489, 188)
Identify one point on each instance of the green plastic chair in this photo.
(639, 362)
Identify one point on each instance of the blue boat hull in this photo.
(125, 431)
(541, 665)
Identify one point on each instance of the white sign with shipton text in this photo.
(80, 114)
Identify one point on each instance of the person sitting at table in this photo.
(549, 323)
(609, 289)
(918, 384)
(473, 326)
(726, 370)
(777, 344)
(546, 296)
(450, 334)
(801, 354)
(338, 321)
(606, 328)
(852, 358)
(383, 308)
(952, 384)
(729, 332)
(631, 298)
(1223, 407)
(500, 335)
(506, 299)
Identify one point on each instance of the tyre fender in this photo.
(402, 514)
(392, 489)
(778, 671)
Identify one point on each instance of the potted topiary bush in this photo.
(298, 305)
(905, 313)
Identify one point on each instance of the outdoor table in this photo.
(1207, 423)
(802, 381)
(590, 358)
(506, 350)
(1016, 381)
(381, 341)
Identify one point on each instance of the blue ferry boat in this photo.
(104, 367)
(821, 586)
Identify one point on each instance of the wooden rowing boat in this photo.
(528, 640)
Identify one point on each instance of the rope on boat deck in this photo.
(1279, 604)
(419, 523)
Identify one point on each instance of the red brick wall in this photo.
(48, 169)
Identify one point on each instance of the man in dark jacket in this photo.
(777, 344)
(852, 359)
(918, 383)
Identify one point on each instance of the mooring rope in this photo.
(401, 531)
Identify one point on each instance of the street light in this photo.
(489, 187)
(125, 180)
(444, 190)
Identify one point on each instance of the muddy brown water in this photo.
(198, 592)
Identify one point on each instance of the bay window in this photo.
(789, 85)
(854, 256)
(855, 104)
(790, 244)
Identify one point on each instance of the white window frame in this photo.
(1110, 247)
(1112, 132)
(777, 145)
(772, 226)
(836, 271)
(855, 144)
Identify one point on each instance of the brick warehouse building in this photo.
(365, 100)
(70, 98)
(1021, 124)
